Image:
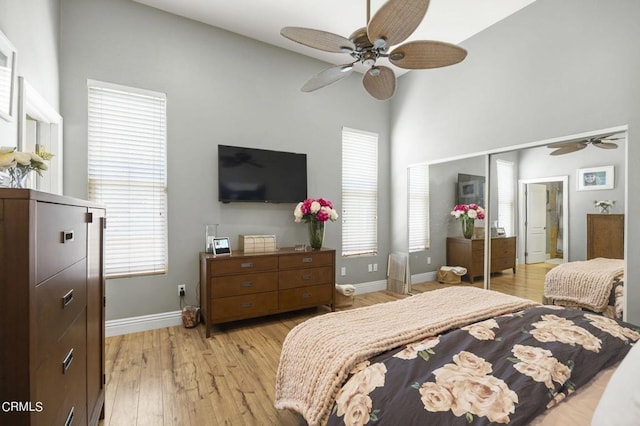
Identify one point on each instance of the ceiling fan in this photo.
(392, 24)
(566, 147)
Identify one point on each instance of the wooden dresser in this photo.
(241, 286)
(52, 309)
(469, 253)
(605, 236)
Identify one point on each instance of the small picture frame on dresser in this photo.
(221, 246)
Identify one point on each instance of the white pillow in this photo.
(620, 402)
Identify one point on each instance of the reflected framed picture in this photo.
(7, 77)
(595, 178)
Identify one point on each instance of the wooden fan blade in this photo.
(326, 77)
(318, 39)
(380, 82)
(568, 149)
(425, 54)
(396, 20)
(566, 144)
(605, 145)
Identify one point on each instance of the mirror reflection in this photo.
(540, 214)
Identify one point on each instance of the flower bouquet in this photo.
(16, 165)
(467, 214)
(315, 212)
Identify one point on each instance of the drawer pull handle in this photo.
(67, 298)
(307, 259)
(246, 305)
(69, 420)
(246, 284)
(67, 361)
(306, 295)
(307, 277)
(246, 265)
(67, 236)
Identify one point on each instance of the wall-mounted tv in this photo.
(261, 175)
(470, 190)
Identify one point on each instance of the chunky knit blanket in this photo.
(585, 284)
(318, 354)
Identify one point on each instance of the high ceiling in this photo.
(451, 21)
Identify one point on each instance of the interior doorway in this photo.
(544, 220)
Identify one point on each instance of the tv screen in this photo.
(260, 175)
(470, 189)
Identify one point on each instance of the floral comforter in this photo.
(506, 369)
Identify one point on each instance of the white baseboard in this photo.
(170, 319)
(423, 277)
(142, 323)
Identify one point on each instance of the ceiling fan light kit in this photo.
(392, 24)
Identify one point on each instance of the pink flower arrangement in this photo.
(468, 211)
(315, 210)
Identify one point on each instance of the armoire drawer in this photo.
(61, 239)
(246, 306)
(304, 277)
(301, 297)
(235, 285)
(59, 300)
(243, 265)
(60, 379)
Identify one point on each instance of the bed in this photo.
(459, 355)
(596, 285)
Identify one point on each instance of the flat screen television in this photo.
(470, 190)
(261, 175)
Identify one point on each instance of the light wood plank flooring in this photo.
(175, 376)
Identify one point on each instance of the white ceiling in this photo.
(451, 21)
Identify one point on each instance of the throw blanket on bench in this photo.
(585, 284)
(318, 354)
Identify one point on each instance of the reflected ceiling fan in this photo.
(604, 142)
(392, 24)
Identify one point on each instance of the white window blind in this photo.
(506, 202)
(127, 173)
(359, 192)
(418, 195)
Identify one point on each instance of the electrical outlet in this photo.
(182, 290)
(343, 271)
(375, 267)
(429, 260)
(370, 267)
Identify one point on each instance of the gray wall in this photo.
(221, 89)
(32, 27)
(557, 67)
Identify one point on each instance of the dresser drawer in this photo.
(501, 246)
(58, 302)
(501, 263)
(246, 306)
(61, 238)
(306, 260)
(60, 379)
(302, 297)
(235, 285)
(242, 265)
(304, 277)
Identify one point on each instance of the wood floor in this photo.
(175, 376)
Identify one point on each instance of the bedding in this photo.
(596, 285)
(458, 356)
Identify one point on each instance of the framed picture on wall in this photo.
(595, 178)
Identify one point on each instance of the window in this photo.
(505, 196)
(127, 172)
(359, 192)
(418, 194)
